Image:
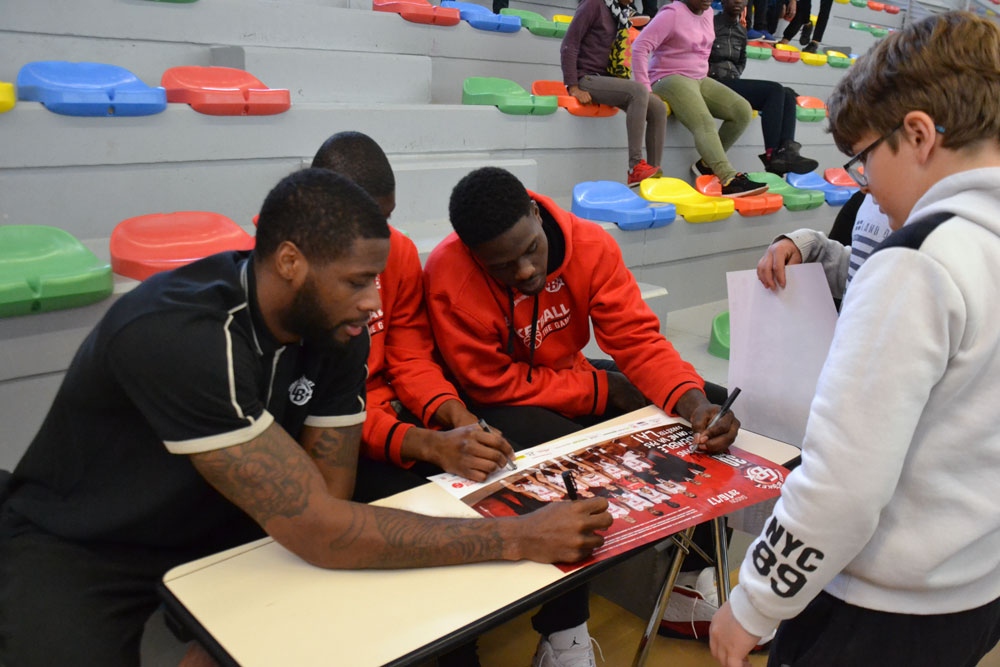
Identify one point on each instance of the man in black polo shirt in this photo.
(212, 402)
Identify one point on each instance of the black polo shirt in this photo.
(182, 364)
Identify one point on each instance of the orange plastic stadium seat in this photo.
(839, 176)
(148, 244)
(419, 11)
(570, 103)
(786, 53)
(748, 206)
(223, 91)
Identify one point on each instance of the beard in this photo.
(305, 316)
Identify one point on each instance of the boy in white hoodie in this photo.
(884, 548)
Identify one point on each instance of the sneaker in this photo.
(693, 602)
(699, 168)
(807, 33)
(787, 159)
(741, 186)
(761, 35)
(812, 47)
(567, 648)
(641, 171)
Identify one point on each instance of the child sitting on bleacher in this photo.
(594, 71)
(775, 102)
(670, 57)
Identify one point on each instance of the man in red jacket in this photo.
(415, 418)
(511, 296)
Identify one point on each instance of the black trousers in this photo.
(776, 104)
(831, 633)
(63, 603)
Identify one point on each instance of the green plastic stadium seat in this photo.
(538, 24)
(45, 268)
(506, 95)
(794, 198)
(718, 342)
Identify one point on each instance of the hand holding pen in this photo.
(720, 430)
(510, 460)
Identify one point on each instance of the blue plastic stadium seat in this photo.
(481, 18)
(88, 89)
(835, 195)
(610, 201)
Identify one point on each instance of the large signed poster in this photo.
(656, 485)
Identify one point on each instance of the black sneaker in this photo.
(807, 33)
(741, 186)
(812, 47)
(787, 159)
(699, 168)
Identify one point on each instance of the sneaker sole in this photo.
(756, 191)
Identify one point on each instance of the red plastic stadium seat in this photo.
(148, 244)
(223, 91)
(419, 11)
(570, 103)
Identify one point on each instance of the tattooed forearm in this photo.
(417, 541)
(337, 448)
(267, 477)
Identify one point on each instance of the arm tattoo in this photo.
(267, 477)
(418, 541)
(336, 447)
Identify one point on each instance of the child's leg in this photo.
(729, 106)
(803, 11)
(767, 97)
(641, 118)
(821, 19)
(684, 97)
(831, 633)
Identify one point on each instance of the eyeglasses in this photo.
(856, 165)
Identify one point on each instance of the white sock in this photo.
(565, 639)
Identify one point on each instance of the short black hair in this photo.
(486, 203)
(319, 211)
(358, 157)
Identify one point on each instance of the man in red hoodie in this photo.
(415, 418)
(511, 296)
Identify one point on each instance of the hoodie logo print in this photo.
(550, 320)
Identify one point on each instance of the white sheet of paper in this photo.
(778, 342)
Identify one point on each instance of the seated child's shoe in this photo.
(699, 168)
(641, 171)
(761, 35)
(741, 186)
(788, 159)
(567, 648)
(693, 602)
(807, 33)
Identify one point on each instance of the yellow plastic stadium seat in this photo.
(7, 96)
(691, 204)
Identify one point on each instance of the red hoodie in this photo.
(469, 314)
(401, 362)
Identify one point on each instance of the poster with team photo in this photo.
(655, 484)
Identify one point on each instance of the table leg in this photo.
(683, 541)
(721, 558)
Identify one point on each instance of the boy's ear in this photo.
(921, 132)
